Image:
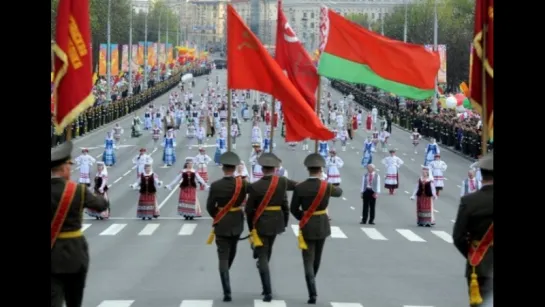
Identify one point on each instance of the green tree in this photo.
(455, 30)
(364, 21)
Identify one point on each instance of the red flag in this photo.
(484, 15)
(250, 66)
(73, 62)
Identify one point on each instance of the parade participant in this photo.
(424, 194)
(383, 138)
(437, 168)
(256, 135)
(369, 122)
(280, 170)
(367, 152)
(333, 164)
(108, 157)
(374, 115)
(415, 136)
(221, 148)
(155, 135)
(223, 204)
(234, 135)
(267, 140)
(140, 161)
(148, 183)
(392, 164)
(267, 214)
(476, 169)
(117, 131)
(355, 121)
(305, 144)
(257, 172)
(69, 249)
(370, 189)
(100, 188)
(473, 234)
(169, 121)
(268, 118)
(245, 113)
(190, 132)
(242, 171)
(323, 149)
(359, 116)
(470, 184)
(336, 137)
(84, 162)
(147, 119)
(202, 160)
(293, 145)
(187, 202)
(200, 134)
(179, 116)
(374, 138)
(136, 129)
(275, 120)
(340, 120)
(158, 118)
(169, 154)
(309, 202)
(431, 150)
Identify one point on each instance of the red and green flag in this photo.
(354, 54)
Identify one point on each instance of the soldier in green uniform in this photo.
(69, 250)
(223, 204)
(267, 214)
(473, 234)
(308, 205)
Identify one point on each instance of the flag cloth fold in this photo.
(73, 88)
(484, 14)
(250, 66)
(355, 54)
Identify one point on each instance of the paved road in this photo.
(166, 263)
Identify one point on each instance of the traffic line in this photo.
(117, 180)
(410, 235)
(187, 229)
(116, 303)
(197, 303)
(113, 230)
(273, 303)
(373, 234)
(336, 304)
(443, 235)
(149, 229)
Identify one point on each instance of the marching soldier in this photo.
(308, 205)
(224, 206)
(473, 234)
(267, 215)
(69, 250)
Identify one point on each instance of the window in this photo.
(305, 15)
(312, 15)
(373, 16)
(312, 25)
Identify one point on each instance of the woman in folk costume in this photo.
(140, 162)
(392, 164)
(108, 157)
(431, 150)
(157, 120)
(355, 122)
(333, 164)
(375, 139)
(191, 131)
(117, 132)
(234, 135)
(383, 137)
(415, 137)
(336, 136)
(202, 160)
(210, 126)
(267, 118)
(281, 170)
(136, 129)
(470, 184)
(359, 117)
(266, 146)
(424, 193)
(476, 169)
(275, 120)
(179, 115)
(438, 167)
(223, 131)
(245, 113)
(85, 161)
(257, 172)
(187, 202)
(257, 138)
(100, 188)
(367, 152)
(155, 135)
(200, 134)
(221, 148)
(323, 149)
(369, 122)
(343, 137)
(148, 183)
(169, 154)
(147, 119)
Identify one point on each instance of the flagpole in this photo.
(405, 25)
(130, 52)
(146, 64)
(109, 54)
(484, 116)
(229, 136)
(435, 30)
(317, 107)
(273, 107)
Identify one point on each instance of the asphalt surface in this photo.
(166, 263)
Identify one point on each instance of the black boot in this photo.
(266, 282)
(226, 285)
(311, 286)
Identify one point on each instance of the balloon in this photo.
(460, 109)
(467, 104)
(451, 102)
(459, 99)
(443, 102)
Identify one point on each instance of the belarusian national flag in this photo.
(357, 55)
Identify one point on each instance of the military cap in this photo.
(61, 154)
(487, 162)
(230, 159)
(314, 160)
(268, 160)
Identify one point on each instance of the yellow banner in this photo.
(114, 60)
(102, 54)
(152, 56)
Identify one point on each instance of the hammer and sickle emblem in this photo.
(246, 43)
(289, 34)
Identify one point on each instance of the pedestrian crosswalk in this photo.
(255, 303)
(200, 228)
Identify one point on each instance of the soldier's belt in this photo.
(475, 243)
(320, 212)
(273, 208)
(70, 234)
(235, 209)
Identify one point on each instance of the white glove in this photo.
(101, 190)
(412, 197)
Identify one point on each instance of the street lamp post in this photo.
(157, 78)
(130, 52)
(146, 51)
(109, 54)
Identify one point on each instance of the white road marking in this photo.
(116, 303)
(337, 233)
(117, 180)
(435, 211)
(169, 196)
(113, 230)
(373, 234)
(459, 186)
(412, 159)
(295, 229)
(98, 156)
(443, 235)
(415, 306)
(344, 198)
(109, 186)
(357, 152)
(148, 230)
(406, 192)
(453, 221)
(352, 208)
(446, 178)
(404, 154)
(273, 303)
(85, 226)
(126, 173)
(197, 303)
(335, 304)
(187, 229)
(410, 235)
(161, 218)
